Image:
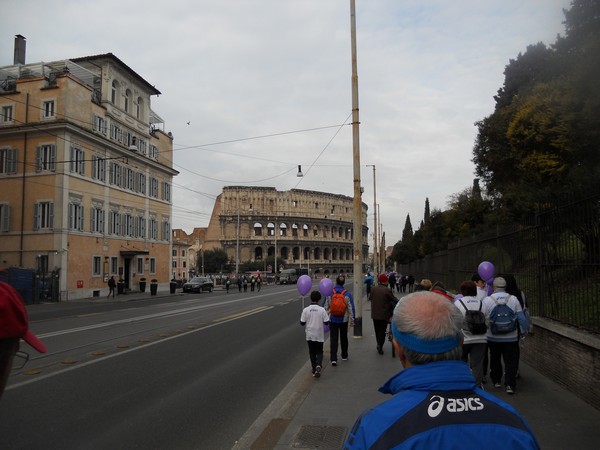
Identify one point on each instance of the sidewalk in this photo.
(315, 413)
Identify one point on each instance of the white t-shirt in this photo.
(473, 304)
(314, 316)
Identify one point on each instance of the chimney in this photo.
(19, 49)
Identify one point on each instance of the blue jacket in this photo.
(437, 405)
(350, 313)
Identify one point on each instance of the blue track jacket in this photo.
(437, 406)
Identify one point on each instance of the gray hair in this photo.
(428, 315)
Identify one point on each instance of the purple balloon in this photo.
(458, 296)
(304, 284)
(486, 270)
(326, 287)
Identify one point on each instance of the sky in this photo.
(252, 89)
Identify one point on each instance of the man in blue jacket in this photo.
(436, 403)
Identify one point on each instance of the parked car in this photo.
(198, 284)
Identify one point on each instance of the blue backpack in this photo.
(503, 319)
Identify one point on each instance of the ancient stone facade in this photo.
(305, 229)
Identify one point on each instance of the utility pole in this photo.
(358, 238)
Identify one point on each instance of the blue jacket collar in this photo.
(442, 376)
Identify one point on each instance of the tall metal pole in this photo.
(358, 238)
(375, 260)
(237, 241)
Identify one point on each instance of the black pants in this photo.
(507, 352)
(338, 333)
(315, 352)
(380, 327)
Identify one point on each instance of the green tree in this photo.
(215, 261)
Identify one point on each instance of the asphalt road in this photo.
(184, 372)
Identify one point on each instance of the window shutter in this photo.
(38, 159)
(11, 161)
(36, 216)
(5, 209)
(50, 215)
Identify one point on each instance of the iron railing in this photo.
(555, 259)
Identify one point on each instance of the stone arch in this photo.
(258, 229)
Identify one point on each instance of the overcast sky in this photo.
(250, 75)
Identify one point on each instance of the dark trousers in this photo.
(507, 352)
(338, 333)
(380, 327)
(315, 352)
(474, 354)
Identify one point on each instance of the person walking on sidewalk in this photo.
(383, 302)
(505, 315)
(474, 346)
(340, 307)
(435, 400)
(313, 318)
(112, 284)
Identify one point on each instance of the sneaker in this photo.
(379, 350)
(334, 363)
(344, 359)
(510, 390)
(317, 372)
(497, 385)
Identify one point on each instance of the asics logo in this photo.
(453, 405)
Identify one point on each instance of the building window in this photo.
(141, 183)
(128, 224)
(100, 125)
(174, 264)
(140, 264)
(128, 138)
(46, 158)
(140, 227)
(138, 107)
(115, 133)
(129, 179)
(77, 162)
(166, 230)
(183, 253)
(142, 146)
(127, 100)
(114, 222)
(114, 176)
(48, 109)
(153, 152)
(4, 217)
(114, 265)
(174, 253)
(97, 219)
(166, 191)
(8, 160)
(43, 216)
(152, 269)
(96, 266)
(75, 216)
(6, 114)
(98, 168)
(153, 229)
(153, 187)
(114, 93)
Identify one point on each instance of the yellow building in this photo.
(85, 175)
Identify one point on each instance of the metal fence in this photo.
(555, 259)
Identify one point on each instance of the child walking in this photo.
(313, 318)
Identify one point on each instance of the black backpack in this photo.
(474, 321)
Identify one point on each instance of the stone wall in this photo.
(568, 356)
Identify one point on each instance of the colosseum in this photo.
(305, 229)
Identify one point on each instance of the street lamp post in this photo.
(237, 241)
(375, 261)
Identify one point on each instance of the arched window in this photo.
(258, 229)
(114, 93)
(138, 107)
(127, 100)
